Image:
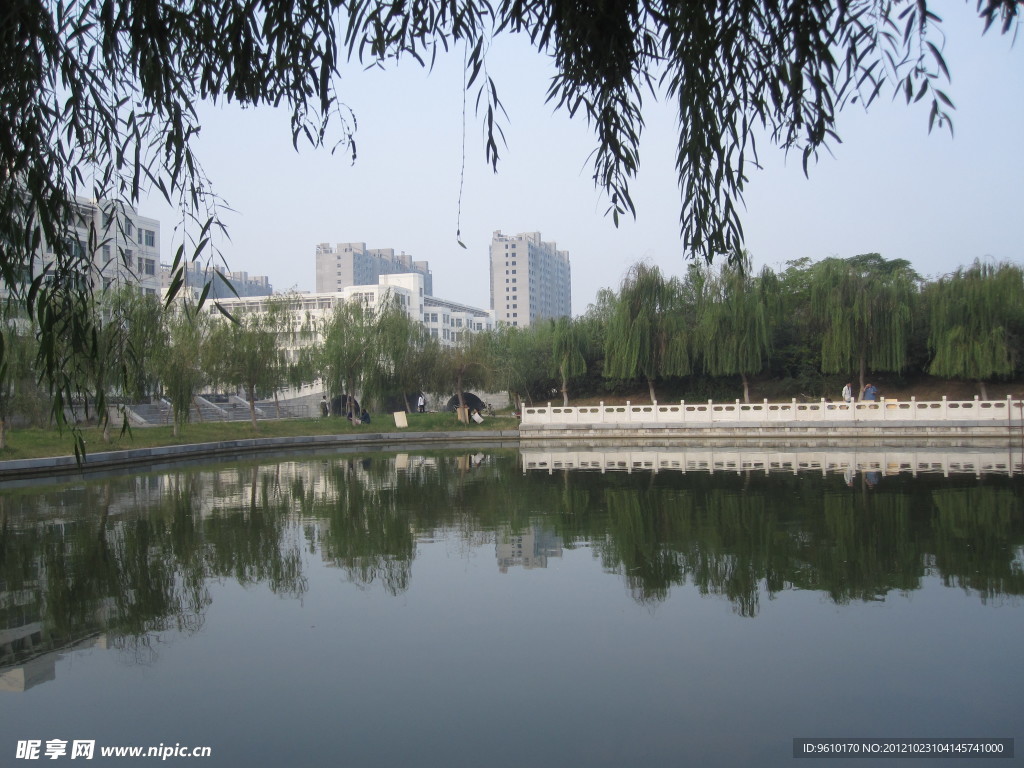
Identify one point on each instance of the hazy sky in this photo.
(891, 187)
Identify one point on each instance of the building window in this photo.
(150, 267)
(150, 238)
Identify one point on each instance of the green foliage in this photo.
(864, 307)
(181, 359)
(647, 332)
(245, 353)
(737, 317)
(369, 352)
(977, 321)
(518, 360)
(568, 351)
(407, 354)
(466, 365)
(20, 394)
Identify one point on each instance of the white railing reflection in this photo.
(945, 461)
(1008, 411)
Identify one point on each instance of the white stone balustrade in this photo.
(1008, 411)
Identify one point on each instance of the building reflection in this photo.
(42, 668)
(526, 548)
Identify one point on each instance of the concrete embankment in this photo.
(63, 466)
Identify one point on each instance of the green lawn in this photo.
(38, 443)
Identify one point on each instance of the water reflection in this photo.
(110, 561)
(527, 548)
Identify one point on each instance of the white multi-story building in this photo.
(530, 279)
(123, 248)
(344, 265)
(446, 320)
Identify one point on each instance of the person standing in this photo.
(324, 408)
(848, 393)
(420, 403)
(870, 392)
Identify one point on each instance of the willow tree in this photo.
(349, 350)
(405, 357)
(737, 314)
(246, 353)
(144, 318)
(518, 360)
(977, 322)
(864, 309)
(127, 340)
(100, 99)
(20, 393)
(465, 364)
(647, 335)
(568, 352)
(181, 360)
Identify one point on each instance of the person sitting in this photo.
(364, 417)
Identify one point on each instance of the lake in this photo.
(486, 606)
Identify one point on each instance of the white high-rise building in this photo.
(530, 279)
(343, 265)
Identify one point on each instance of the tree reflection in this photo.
(129, 556)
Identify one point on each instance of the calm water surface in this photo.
(499, 609)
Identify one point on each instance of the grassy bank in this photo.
(40, 443)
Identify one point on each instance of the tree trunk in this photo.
(650, 389)
(565, 389)
(199, 411)
(3, 433)
(277, 404)
(252, 404)
(863, 375)
(746, 388)
(983, 389)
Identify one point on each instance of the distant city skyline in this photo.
(890, 187)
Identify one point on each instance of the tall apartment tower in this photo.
(346, 264)
(530, 279)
